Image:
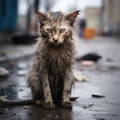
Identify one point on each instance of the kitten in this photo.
(51, 76)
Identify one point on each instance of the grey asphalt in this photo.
(103, 79)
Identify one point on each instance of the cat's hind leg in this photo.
(38, 97)
(35, 85)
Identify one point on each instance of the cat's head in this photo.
(56, 26)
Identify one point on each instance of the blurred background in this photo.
(17, 17)
(97, 62)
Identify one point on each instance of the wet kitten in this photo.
(51, 77)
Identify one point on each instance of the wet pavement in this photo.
(103, 79)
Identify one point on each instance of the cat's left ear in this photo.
(41, 16)
(71, 17)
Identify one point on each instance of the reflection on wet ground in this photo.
(100, 82)
(15, 86)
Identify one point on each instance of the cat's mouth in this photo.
(56, 43)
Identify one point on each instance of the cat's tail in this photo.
(5, 101)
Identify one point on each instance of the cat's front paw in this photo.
(49, 105)
(67, 104)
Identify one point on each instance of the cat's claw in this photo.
(67, 105)
(49, 105)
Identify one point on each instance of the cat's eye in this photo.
(49, 30)
(62, 30)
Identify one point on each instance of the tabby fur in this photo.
(50, 76)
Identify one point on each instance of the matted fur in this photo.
(51, 76)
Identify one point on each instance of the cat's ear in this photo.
(71, 17)
(41, 16)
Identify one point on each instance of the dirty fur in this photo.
(51, 77)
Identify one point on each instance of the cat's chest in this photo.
(59, 56)
(58, 60)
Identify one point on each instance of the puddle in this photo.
(15, 92)
(9, 91)
(22, 72)
(21, 65)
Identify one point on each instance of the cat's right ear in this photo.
(40, 16)
(71, 17)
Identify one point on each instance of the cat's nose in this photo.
(56, 38)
